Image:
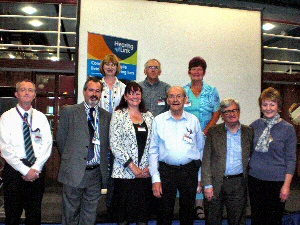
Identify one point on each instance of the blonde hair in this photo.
(111, 58)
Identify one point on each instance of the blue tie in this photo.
(27, 141)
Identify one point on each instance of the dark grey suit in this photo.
(73, 140)
(214, 160)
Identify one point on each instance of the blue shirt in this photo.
(234, 164)
(96, 126)
(204, 105)
(175, 142)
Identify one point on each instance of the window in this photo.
(37, 31)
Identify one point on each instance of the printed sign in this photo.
(101, 45)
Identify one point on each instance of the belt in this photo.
(92, 167)
(233, 176)
(174, 166)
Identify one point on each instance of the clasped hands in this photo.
(32, 175)
(138, 172)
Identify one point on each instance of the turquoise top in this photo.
(204, 105)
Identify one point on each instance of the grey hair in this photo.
(179, 87)
(228, 102)
(26, 81)
(159, 64)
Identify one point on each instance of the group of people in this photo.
(147, 141)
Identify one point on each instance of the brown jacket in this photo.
(214, 155)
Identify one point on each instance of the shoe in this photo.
(199, 212)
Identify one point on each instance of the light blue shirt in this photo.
(96, 126)
(203, 106)
(175, 142)
(234, 164)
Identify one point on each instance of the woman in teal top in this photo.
(205, 107)
(204, 103)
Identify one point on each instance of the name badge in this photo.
(161, 102)
(187, 104)
(37, 136)
(141, 129)
(187, 139)
(95, 141)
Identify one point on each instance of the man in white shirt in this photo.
(26, 144)
(175, 157)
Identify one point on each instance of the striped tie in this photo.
(27, 141)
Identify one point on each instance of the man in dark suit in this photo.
(224, 167)
(83, 141)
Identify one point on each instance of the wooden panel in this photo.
(53, 164)
(37, 65)
(289, 87)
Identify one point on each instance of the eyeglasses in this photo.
(153, 67)
(175, 96)
(228, 112)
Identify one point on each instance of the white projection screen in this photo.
(228, 39)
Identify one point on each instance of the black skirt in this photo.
(131, 200)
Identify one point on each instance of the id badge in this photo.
(95, 141)
(37, 137)
(187, 104)
(161, 102)
(187, 139)
(141, 129)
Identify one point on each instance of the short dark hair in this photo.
(197, 61)
(270, 94)
(94, 79)
(132, 86)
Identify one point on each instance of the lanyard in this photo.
(95, 123)
(25, 120)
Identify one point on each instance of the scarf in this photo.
(264, 140)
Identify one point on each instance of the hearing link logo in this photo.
(123, 47)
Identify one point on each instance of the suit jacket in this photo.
(215, 152)
(123, 143)
(73, 140)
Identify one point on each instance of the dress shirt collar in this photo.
(205, 87)
(117, 82)
(170, 116)
(227, 129)
(22, 111)
(87, 106)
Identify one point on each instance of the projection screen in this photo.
(228, 39)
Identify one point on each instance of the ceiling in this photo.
(284, 14)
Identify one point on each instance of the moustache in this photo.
(94, 96)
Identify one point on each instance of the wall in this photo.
(229, 40)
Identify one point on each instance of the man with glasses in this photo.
(154, 90)
(224, 167)
(175, 158)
